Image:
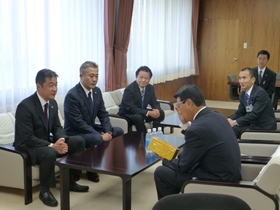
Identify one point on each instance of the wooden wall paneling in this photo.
(257, 39)
(166, 91)
(218, 46)
(223, 28)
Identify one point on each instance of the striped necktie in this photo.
(142, 95)
(260, 77)
(247, 99)
(90, 102)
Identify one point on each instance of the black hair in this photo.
(264, 52)
(191, 92)
(144, 68)
(87, 64)
(43, 74)
(251, 71)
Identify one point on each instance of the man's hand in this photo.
(60, 146)
(231, 122)
(181, 117)
(154, 113)
(106, 136)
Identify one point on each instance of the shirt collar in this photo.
(86, 90)
(141, 88)
(198, 112)
(261, 69)
(42, 101)
(250, 90)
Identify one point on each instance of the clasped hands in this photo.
(154, 113)
(60, 146)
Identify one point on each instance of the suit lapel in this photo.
(39, 109)
(84, 97)
(51, 112)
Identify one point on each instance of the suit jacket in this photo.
(262, 115)
(30, 128)
(132, 100)
(268, 80)
(77, 114)
(211, 150)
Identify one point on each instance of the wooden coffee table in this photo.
(124, 156)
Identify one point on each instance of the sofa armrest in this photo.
(16, 170)
(261, 135)
(258, 147)
(254, 196)
(165, 105)
(120, 121)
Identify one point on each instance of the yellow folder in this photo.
(163, 149)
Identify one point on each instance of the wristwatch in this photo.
(235, 123)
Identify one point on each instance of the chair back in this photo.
(233, 89)
(278, 76)
(232, 77)
(201, 201)
(268, 178)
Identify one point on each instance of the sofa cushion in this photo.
(109, 103)
(7, 124)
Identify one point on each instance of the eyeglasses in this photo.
(179, 104)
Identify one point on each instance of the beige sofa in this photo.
(16, 168)
(112, 100)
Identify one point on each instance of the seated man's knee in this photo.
(137, 117)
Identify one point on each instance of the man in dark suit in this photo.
(255, 110)
(265, 77)
(37, 117)
(82, 104)
(137, 96)
(211, 150)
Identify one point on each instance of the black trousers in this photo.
(46, 157)
(138, 120)
(93, 139)
(168, 181)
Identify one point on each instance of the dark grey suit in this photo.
(211, 152)
(80, 121)
(131, 105)
(33, 135)
(268, 80)
(262, 115)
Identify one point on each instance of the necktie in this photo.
(46, 106)
(260, 77)
(142, 95)
(247, 98)
(90, 102)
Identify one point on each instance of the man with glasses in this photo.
(211, 150)
(137, 96)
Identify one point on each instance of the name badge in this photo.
(249, 108)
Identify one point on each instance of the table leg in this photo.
(126, 193)
(64, 188)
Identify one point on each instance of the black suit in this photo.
(131, 105)
(33, 135)
(211, 152)
(80, 121)
(262, 115)
(268, 80)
